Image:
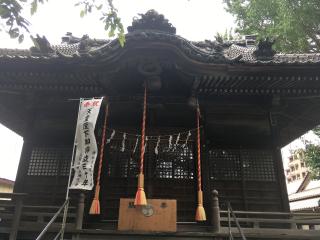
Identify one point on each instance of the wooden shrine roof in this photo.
(153, 28)
(231, 79)
(84, 50)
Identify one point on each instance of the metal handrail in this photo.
(236, 221)
(46, 228)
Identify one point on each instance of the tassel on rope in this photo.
(95, 206)
(141, 199)
(200, 212)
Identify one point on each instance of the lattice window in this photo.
(177, 162)
(122, 163)
(164, 170)
(47, 161)
(236, 164)
(225, 164)
(258, 165)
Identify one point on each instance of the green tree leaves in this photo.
(312, 159)
(11, 20)
(312, 155)
(15, 23)
(110, 18)
(294, 23)
(34, 7)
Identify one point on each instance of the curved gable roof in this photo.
(152, 30)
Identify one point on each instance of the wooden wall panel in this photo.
(246, 178)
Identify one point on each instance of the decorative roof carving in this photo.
(209, 46)
(85, 40)
(141, 38)
(241, 52)
(72, 45)
(87, 50)
(152, 20)
(264, 50)
(41, 45)
(152, 27)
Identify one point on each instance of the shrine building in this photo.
(249, 102)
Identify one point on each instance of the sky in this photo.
(193, 19)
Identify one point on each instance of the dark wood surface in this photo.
(236, 139)
(255, 225)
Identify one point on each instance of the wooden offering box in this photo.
(160, 215)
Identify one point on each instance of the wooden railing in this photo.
(261, 220)
(11, 209)
(15, 216)
(274, 219)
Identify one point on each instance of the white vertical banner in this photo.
(86, 145)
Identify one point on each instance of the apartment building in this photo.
(297, 168)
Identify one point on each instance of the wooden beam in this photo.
(277, 157)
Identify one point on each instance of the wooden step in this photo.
(251, 234)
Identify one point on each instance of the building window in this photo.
(303, 174)
(290, 159)
(293, 178)
(297, 166)
(177, 164)
(292, 169)
(235, 164)
(49, 161)
(302, 164)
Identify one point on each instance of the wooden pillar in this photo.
(80, 211)
(16, 217)
(293, 225)
(23, 165)
(277, 159)
(27, 144)
(215, 217)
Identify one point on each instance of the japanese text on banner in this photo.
(86, 145)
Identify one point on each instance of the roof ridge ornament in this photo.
(264, 50)
(152, 20)
(68, 38)
(41, 45)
